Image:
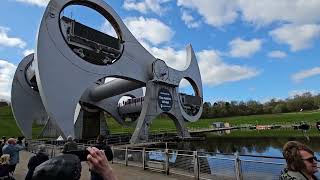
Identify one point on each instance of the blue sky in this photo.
(246, 49)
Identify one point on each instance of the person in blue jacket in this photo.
(12, 148)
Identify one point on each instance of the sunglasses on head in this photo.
(311, 159)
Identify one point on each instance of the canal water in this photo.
(260, 145)
(250, 145)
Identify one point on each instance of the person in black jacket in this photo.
(102, 145)
(36, 160)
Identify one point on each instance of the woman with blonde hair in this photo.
(4, 165)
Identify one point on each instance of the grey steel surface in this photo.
(64, 78)
(25, 102)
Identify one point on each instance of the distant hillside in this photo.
(3, 103)
(8, 126)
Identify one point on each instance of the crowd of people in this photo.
(66, 166)
(300, 159)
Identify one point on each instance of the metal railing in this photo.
(201, 165)
(194, 164)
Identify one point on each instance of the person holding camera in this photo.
(102, 145)
(301, 162)
(99, 164)
(12, 148)
(68, 167)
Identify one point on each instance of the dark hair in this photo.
(292, 155)
(63, 167)
(101, 138)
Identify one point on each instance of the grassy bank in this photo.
(270, 133)
(8, 125)
(268, 119)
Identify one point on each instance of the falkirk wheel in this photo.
(69, 68)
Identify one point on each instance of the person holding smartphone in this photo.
(68, 167)
(99, 164)
(102, 145)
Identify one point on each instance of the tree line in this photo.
(302, 102)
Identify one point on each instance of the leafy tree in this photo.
(280, 108)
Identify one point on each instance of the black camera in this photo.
(82, 154)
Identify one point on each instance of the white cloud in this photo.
(215, 72)
(263, 12)
(215, 12)
(7, 41)
(306, 74)
(173, 58)
(301, 92)
(145, 6)
(149, 29)
(7, 71)
(298, 37)
(189, 20)
(277, 54)
(26, 52)
(40, 3)
(243, 48)
(108, 29)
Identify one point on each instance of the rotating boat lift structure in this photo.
(70, 66)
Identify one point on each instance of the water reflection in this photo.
(266, 143)
(265, 146)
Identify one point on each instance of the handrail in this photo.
(188, 163)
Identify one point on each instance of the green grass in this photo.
(8, 125)
(268, 119)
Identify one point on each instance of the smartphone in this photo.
(82, 154)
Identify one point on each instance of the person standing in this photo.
(36, 160)
(4, 166)
(12, 149)
(301, 162)
(99, 164)
(3, 142)
(70, 145)
(101, 144)
(68, 167)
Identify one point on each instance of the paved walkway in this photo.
(123, 172)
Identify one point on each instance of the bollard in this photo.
(112, 149)
(52, 155)
(237, 164)
(167, 162)
(126, 156)
(144, 158)
(196, 167)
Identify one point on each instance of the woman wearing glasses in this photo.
(301, 162)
